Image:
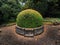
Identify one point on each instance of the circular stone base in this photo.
(29, 32)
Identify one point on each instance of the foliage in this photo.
(48, 8)
(53, 9)
(40, 6)
(29, 19)
(8, 10)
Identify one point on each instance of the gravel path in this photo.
(50, 36)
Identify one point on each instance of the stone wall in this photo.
(29, 31)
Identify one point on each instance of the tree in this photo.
(9, 10)
(48, 8)
(53, 9)
(39, 5)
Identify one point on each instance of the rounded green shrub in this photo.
(29, 18)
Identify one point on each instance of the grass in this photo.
(51, 20)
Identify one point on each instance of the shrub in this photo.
(29, 19)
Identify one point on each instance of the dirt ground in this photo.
(50, 36)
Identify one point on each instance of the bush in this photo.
(29, 19)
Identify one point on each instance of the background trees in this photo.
(8, 10)
(48, 8)
(53, 9)
(39, 5)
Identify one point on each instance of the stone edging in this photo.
(29, 31)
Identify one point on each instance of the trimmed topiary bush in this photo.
(29, 19)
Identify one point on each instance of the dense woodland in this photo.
(9, 9)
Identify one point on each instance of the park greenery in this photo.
(9, 9)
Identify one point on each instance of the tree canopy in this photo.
(8, 10)
(48, 8)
